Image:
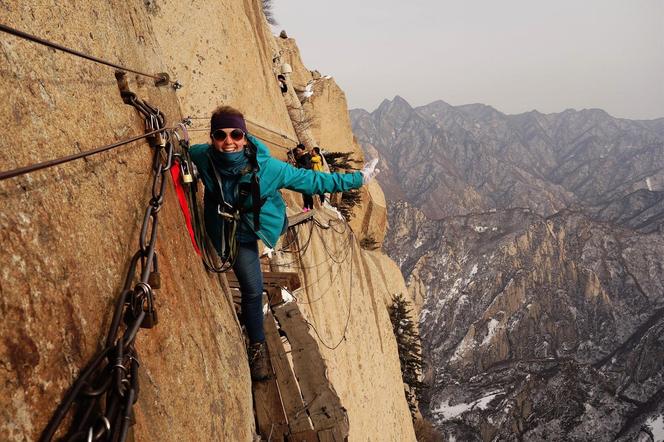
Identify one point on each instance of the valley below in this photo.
(532, 247)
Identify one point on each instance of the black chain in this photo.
(107, 388)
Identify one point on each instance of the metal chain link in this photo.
(107, 388)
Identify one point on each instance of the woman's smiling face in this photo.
(229, 140)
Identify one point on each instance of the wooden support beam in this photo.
(290, 280)
(272, 422)
(300, 218)
(323, 404)
(270, 414)
(303, 436)
(291, 399)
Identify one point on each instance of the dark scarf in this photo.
(229, 164)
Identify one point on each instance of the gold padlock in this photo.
(186, 176)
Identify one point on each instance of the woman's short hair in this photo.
(227, 110)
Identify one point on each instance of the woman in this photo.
(317, 165)
(317, 160)
(242, 180)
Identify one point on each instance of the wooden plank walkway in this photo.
(298, 404)
(300, 218)
(291, 398)
(272, 284)
(322, 402)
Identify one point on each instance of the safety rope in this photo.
(106, 390)
(203, 129)
(346, 247)
(160, 79)
(55, 162)
(350, 307)
(271, 130)
(303, 249)
(257, 125)
(349, 249)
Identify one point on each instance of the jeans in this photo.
(247, 269)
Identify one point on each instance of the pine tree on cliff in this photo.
(410, 350)
(269, 13)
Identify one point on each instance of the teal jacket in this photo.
(273, 175)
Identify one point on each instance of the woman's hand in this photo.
(369, 171)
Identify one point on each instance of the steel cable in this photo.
(159, 78)
(201, 129)
(350, 307)
(55, 162)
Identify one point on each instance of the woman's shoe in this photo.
(259, 361)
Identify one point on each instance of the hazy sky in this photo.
(516, 55)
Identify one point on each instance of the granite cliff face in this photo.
(68, 232)
(540, 285)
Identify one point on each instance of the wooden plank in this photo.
(323, 404)
(270, 415)
(326, 436)
(332, 435)
(290, 280)
(291, 398)
(300, 218)
(303, 436)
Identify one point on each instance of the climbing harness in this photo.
(185, 179)
(106, 390)
(231, 215)
(229, 219)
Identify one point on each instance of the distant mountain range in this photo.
(453, 160)
(536, 242)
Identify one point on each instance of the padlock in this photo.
(150, 319)
(194, 171)
(154, 280)
(161, 140)
(186, 176)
